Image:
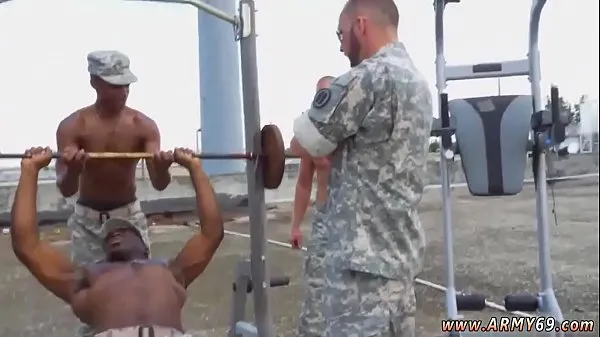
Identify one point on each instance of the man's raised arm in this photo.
(51, 268)
(68, 168)
(199, 250)
(158, 167)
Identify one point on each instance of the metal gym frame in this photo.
(251, 275)
(546, 129)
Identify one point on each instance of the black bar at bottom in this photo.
(279, 281)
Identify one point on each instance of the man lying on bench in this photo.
(127, 294)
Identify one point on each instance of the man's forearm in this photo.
(209, 211)
(67, 183)
(301, 201)
(24, 232)
(160, 179)
(298, 150)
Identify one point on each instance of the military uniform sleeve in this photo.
(336, 113)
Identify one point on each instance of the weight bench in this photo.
(494, 135)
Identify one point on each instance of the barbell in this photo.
(272, 156)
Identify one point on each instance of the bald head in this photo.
(324, 82)
(382, 12)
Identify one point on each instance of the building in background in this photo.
(588, 127)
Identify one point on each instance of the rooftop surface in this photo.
(495, 251)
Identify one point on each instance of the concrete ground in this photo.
(495, 250)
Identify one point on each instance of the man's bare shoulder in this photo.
(140, 118)
(75, 119)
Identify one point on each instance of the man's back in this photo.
(383, 175)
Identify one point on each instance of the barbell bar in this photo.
(272, 156)
(147, 155)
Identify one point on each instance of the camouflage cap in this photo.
(112, 66)
(113, 224)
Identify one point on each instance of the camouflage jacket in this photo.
(378, 116)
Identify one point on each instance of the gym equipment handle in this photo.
(470, 302)
(445, 119)
(521, 302)
(278, 281)
(555, 104)
(146, 155)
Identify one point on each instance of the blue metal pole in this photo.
(220, 91)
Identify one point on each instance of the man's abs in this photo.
(107, 190)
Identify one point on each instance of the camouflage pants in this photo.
(312, 321)
(359, 304)
(85, 225)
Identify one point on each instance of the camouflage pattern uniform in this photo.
(86, 224)
(380, 114)
(311, 322)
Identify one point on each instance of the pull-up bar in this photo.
(203, 6)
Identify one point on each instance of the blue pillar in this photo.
(220, 90)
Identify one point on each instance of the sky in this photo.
(43, 48)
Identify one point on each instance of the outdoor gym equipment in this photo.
(252, 275)
(265, 155)
(271, 155)
(493, 137)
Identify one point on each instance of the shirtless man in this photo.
(311, 323)
(126, 294)
(106, 187)
(304, 184)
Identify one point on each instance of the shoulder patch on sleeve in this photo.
(326, 101)
(322, 97)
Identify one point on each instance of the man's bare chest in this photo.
(124, 137)
(108, 276)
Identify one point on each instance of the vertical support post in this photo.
(541, 196)
(440, 69)
(198, 140)
(220, 99)
(547, 299)
(256, 190)
(240, 293)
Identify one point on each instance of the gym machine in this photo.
(494, 135)
(251, 275)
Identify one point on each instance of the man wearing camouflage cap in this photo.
(106, 187)
(378, 116)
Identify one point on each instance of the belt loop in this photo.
(146, 331)
(103, 217)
